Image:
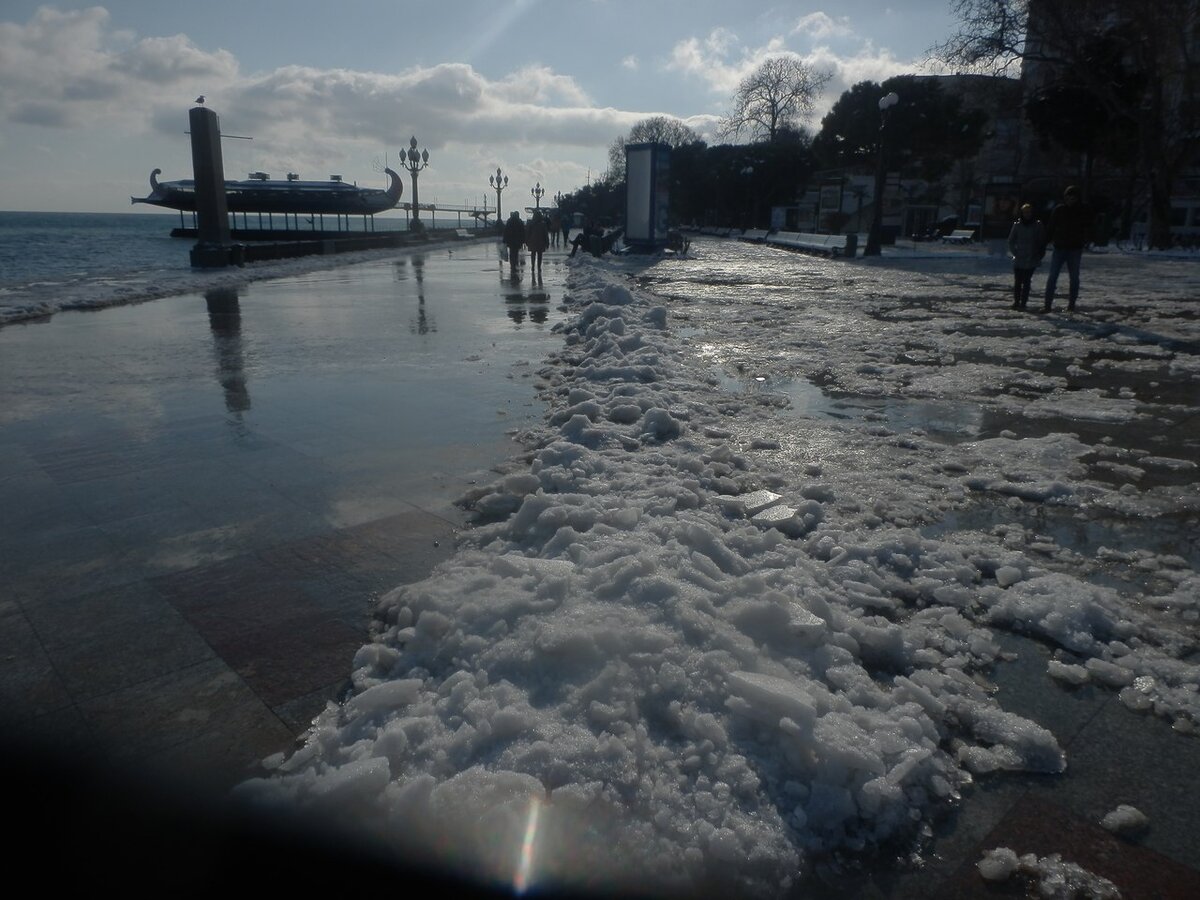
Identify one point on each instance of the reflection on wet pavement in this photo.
(199, 496)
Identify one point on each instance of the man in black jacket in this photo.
(1068, 232)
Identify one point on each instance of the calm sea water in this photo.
(37, 247)
(64, 247)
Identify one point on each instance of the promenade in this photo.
(201, 496)
(206, 494)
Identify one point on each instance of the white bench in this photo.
(959, 236)
(754, 235)
(808, 242)
(463, 233)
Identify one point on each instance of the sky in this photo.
(93, 97)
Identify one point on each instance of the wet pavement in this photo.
(201, 496)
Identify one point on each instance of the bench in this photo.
(959, 236)
(463, 233)
(808, 242)
(754, 235)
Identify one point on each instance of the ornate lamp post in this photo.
(873, 237)
(415, 162)
(538, 192)
(499, 181)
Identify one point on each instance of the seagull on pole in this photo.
(200, 100)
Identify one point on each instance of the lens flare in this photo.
(525, 862)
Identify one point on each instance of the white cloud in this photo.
(630, 62)
(66, 69)
(722, 61)
(820, 25)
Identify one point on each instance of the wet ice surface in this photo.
(633, 650)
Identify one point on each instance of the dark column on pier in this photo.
(214, 247)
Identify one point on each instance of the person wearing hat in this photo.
(514, 239)
(1068, 232)
(1027, 247)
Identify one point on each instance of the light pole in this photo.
(538, 191)
(874, 237)
(415, 162)
(499, 181)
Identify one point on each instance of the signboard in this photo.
(647, 195)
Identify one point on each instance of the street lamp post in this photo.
(415, 162)
(499, 181)
(538, 191)
(874, 238)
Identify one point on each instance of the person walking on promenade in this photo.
(555, 228)
(537, 239)
(1068, 232)
(514, 238)
(1027, 247)
(566, 229)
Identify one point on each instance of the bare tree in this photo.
(778, 94)
(1159, 40)
(653, 130)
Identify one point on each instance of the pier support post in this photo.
(213, 247)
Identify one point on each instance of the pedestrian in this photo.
(1068, 232)
(514, 238)
(583, 239)
(566, 229)
(1027, 247)
(555, 228)
(537, 239)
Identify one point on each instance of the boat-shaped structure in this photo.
(260, 194)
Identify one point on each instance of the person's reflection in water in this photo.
(539, 309)
(424, 324)
(225, 320)
(534, 306)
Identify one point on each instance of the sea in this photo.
(62, 260)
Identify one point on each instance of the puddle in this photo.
(939, 420)
(1082, 534)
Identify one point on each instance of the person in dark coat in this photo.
(1068, 232)
(566, 228)
(583, 239)
(514, 239)
(555, 229)
(537, 239)
(1027, 247)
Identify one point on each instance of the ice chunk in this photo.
(1067, 673)
(803, 623)
(1109, 673)
(1008, 575)
(1125, 819)
(750, 504)
(998, 864)
(769, 699)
